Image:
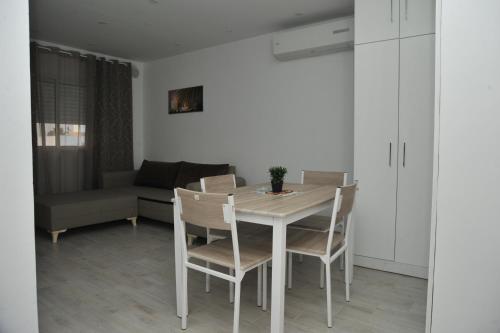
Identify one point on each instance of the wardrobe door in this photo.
(375, 147)
(416, 128)
(417, 17)
(376, 20)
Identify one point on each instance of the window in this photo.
(71, 135)
(62, 112)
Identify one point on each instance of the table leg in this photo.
(178, 239)
(278, 277)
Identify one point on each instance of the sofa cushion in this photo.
(151, 193)
(192, 172)
(157, 174)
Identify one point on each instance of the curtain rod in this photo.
(79, 54)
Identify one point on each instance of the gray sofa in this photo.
(125, 195)
(154, 203)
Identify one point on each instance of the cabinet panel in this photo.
(416, 127)
(376, 20)
(375, 147)
(417, 17)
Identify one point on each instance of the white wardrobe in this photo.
(393, 125)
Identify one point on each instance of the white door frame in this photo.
(435, 174)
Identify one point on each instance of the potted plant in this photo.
(277, 174)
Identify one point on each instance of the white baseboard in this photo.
(391, 266)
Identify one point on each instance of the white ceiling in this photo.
(151, 29)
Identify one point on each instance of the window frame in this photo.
(57, 142)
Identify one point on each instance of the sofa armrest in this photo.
(117, 179)
(240, 181)
(196, 186)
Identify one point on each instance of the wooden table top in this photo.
(248, 200)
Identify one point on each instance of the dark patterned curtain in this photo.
(114, 116)
(82, 119)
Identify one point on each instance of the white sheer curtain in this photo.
(61, 113)
(82, 119)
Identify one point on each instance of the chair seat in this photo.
(252, 252)
(311, 242)
(313, 223)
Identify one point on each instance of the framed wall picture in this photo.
(185, 100)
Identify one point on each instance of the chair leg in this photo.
(236, 320)
(259, 285)
(321, 275)
(184, 298)
(231, 287)
(207, 279)
(207, 276)
(347, 277)
(301, 257)
(264, 287)
(328, 295)
(290, 260)
(342, 256)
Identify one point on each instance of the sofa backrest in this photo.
(192, 172)
(128, 178)
(158, 174)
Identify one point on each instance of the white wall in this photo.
(18, 307)
(466, 275)
(137, 97)
(258, 112)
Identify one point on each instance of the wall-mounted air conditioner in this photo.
(313, 40)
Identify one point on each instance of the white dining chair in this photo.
(218, 184)
(328, 246)
(216, 211)
(317, 222)
(334, 178)
(227, 184)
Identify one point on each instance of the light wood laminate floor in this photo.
(114, 278)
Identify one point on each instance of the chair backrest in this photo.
(208, 210)
(347, 194)
(203, 209)
(218, 184)
(335, 178)
(342, 209)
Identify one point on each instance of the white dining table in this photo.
(277, 211)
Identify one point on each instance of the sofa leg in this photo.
(133, 220)
(55, 235)
(191, 239)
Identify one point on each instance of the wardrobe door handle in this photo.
(406, 10)
(404, 154)
(392, 18)
(390, 153)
